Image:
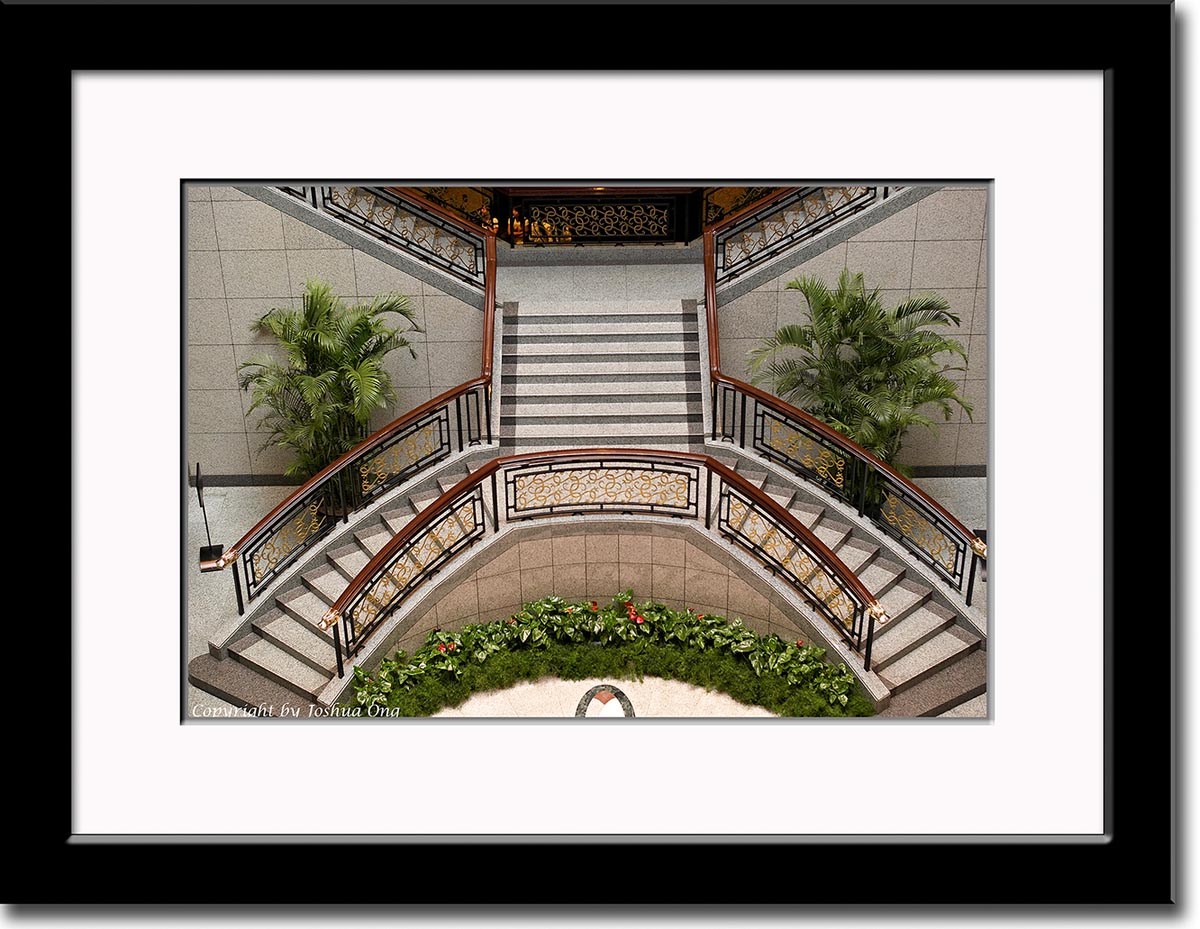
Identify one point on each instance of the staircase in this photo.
(931, 664)
(286, 655)
(582, 372)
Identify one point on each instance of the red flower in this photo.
(451, 646)
(512, 622)
(569, 610)
(639, 619)
(441, 647)
(799, 641)
(701, 616)
(594, 607)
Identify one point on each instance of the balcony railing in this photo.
(685, 486)
(455, 420)
(793, 439)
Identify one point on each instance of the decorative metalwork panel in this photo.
(458, 526)
(423, 443)
(573, 222)
(406, 226)
(785, 223)
(802, 451)
(603, 486)
(474, 204)
(720, 202)
(291, 533)
(922, 531)
(785, 553)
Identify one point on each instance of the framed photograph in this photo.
(1037, 155)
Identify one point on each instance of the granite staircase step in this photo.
(949, 687)
(975, 708)
(374, 538)
(894, 641)
(277, 665)
(306, 607)
(297, 639)
(349, 560)
(941, 651)
(903, 598)
(238, 684)
(857, 554)
(326, 582)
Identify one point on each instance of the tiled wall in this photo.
(675, 566)
(938, 244)
(245, 257)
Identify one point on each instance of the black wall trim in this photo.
(949, 471)
(245, 480)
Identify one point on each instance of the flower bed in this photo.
(573, 641)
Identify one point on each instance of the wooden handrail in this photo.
(826, 431)
(483, 380)
(760, 499)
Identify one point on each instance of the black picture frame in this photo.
(1133, 44)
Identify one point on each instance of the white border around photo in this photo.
(1035, 767)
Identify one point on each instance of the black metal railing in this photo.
(460, 417)
(790, 438)
(572, 482)
(813, 571)
(424, 233)
(442, 533)
(782, 222)
(455, 420)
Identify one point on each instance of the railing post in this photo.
(495, 506)
(714, 411)
(870, 639)
(971, 580)
(342, 499)
(487, 409)
(237, 585)
(458, 419)
(742, 441)
(708, 498)
(337, 650)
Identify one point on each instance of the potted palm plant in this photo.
(319, 398)
(867, 371)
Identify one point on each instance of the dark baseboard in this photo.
(950, 471)
(245, 480)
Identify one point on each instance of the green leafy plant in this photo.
(553, 637)
(319, 399)
(867, 371)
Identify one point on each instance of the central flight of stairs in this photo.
(286, 655)
(932, 664)
(616, 372)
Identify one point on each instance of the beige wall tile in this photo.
(538, 553)
(377, 277)
(457, 362)
(256, 274)
(214, 411)
(882, 264)
(745, 601)
(450, 320)
(459, 602)
(568, 550)
(951, 214)
(899, 227)
(498, 590)
(978, 353)
(711, 587)
(196, 193)
(334, 266)
(247, 224)
(269, 460)
(827, 266)
(601, 546)
(502, 562)
(570, 581)
(204, 278)
(972, 444)
(228, 193)
(634, 548)
(219, 452)
(666, 550)
(636, 577)
(937, 446)
(244, 312)
(211, 367)
(945, 264)
(667, 582)
(207, 322)
(201, 230)
(299, 234)
(603, 580)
